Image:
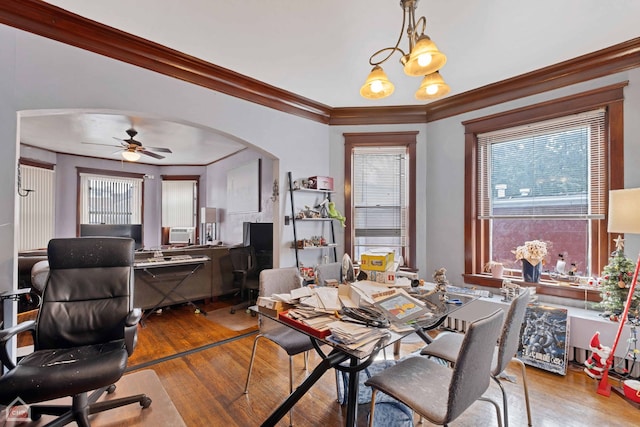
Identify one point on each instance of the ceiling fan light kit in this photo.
(133, 149)
(423, 59)
(130, 156)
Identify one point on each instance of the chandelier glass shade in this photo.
(432, 87)
(424, 59)
(130, 156)
(377, 84)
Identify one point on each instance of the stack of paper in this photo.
(352, 335)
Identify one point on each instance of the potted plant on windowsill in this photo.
(532, 255)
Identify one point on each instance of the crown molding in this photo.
(52, 22)
(49, 21)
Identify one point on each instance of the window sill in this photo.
(542, 288)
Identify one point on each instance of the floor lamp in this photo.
(624, 217)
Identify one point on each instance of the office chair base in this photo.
(82, 406)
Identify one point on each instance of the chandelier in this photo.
(423, 59)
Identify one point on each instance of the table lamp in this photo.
(208, 216)
(624, 217)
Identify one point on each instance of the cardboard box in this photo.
(387, 277)
(376, 261)
(272, 307)
(321, 183)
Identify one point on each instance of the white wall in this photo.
(43, 74)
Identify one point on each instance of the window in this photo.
(179, 202)
(542, 172)
(106, 199)
(543, 181)
(37, 208)
(380, 193)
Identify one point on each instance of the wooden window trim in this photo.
(476, 233)
(381, 139)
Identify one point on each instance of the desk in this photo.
(160, 273)
(359, 361)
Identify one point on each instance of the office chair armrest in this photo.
(131, 329)
(7, 334)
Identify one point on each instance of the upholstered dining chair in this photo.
(85, 330)
(331, 270)
(436, 392)
(279, 281)
(447, 346)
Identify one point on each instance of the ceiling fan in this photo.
(132, 149)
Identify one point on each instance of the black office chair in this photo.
(85, 330)
(246, 274)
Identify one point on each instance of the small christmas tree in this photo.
(616, 280)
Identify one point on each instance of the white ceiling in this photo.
(320, 49)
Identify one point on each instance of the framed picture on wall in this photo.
(544, 338)
(243, 188)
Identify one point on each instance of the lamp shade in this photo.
(208, 215)
(424, 58)
(624, 211)
(433, 86)
(130, 156)
(377, 85)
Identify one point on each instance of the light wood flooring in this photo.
(207, 386)
(203, 368)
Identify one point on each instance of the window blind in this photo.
(380, 194)
(178, 203)
(110, 200)
(37, 210)
(550, 169)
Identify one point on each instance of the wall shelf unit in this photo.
(308, 198)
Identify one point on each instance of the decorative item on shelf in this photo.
(495, 268)
(532, 255)
(334, 213)
(323, 208)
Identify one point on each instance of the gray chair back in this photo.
(277, 281)
(510, 334)
(332, 270)
(470, 376)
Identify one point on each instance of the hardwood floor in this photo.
(203, 368)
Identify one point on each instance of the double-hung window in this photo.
(381, 200)
(544, 181)
(543, 172)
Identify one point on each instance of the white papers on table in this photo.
(368, 288)
(302, 292)
(353, 335)
(349, 296)
(328, 297)
(283, 297)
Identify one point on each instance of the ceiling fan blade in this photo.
(104, 145)
(150, 154)
(160, 149)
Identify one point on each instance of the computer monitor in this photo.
(133, 231)
(259, 235)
